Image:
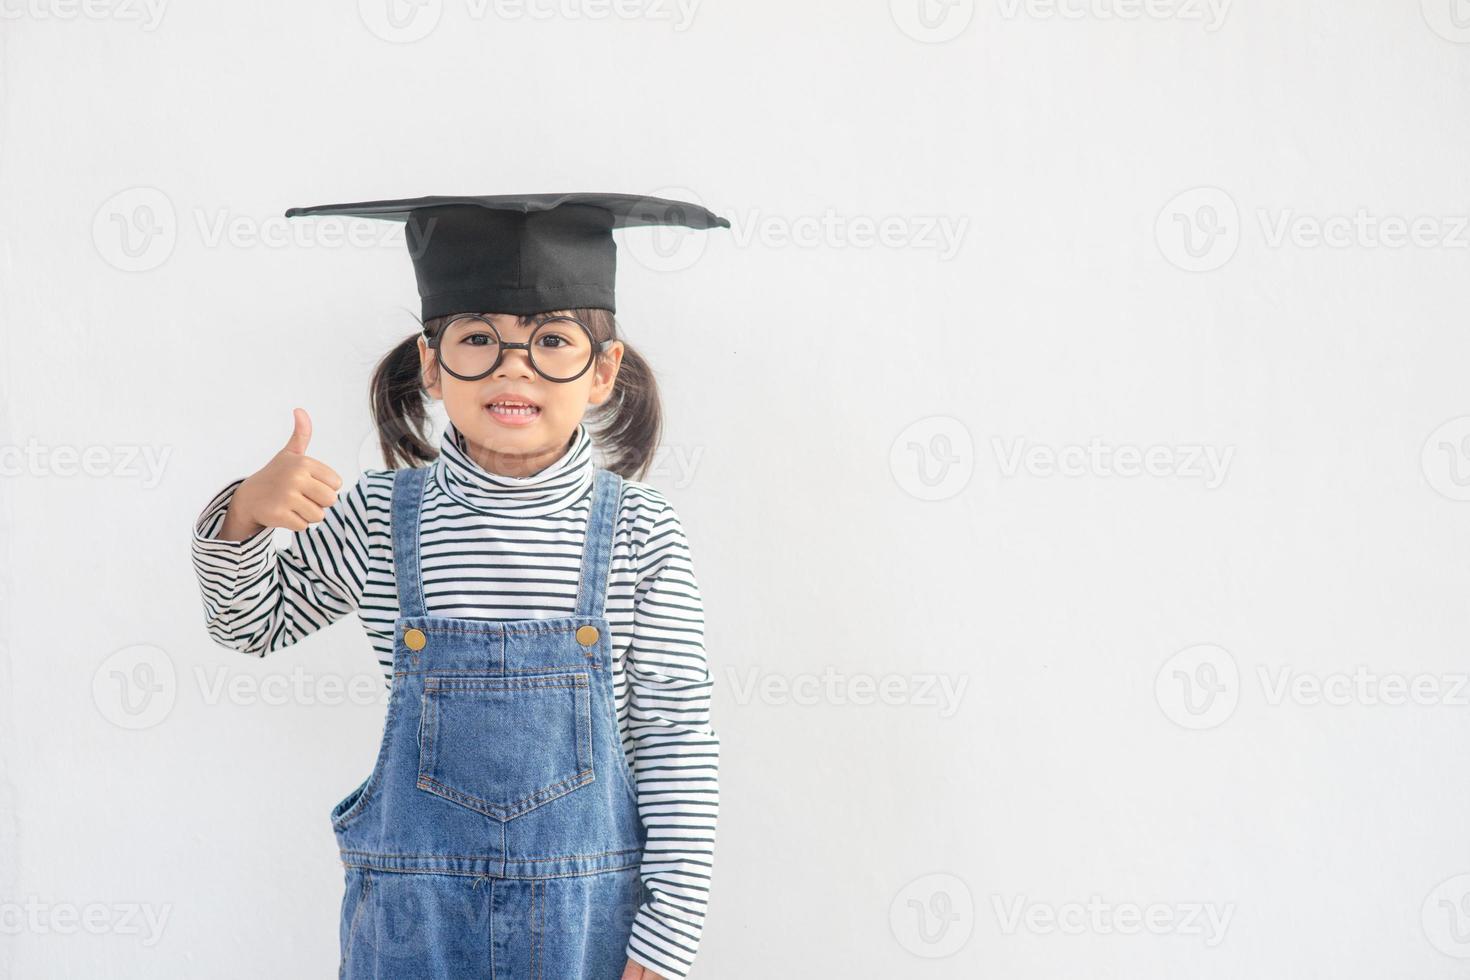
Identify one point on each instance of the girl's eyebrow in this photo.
(535, 317)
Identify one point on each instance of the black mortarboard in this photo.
(518, 253)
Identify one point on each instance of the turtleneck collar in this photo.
(551, 489)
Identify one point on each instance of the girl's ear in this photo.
(605, 373)
(429, 370)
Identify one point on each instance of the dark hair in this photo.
(626, 428)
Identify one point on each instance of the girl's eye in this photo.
(560, 340)
(477, 339)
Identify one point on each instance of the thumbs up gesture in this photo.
(291, 491)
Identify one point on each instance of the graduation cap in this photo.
(518, 253)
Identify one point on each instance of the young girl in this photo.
(544, 799)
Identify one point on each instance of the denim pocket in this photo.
(504, 745)
(351, 806)
(348, 802)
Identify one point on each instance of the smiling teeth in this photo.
(514, 409)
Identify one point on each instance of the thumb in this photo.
(301, 435)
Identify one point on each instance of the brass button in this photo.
(587, 635)
(414, 639)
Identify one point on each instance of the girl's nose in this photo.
(515, 363)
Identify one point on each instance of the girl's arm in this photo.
(258, 599)
(676, 751)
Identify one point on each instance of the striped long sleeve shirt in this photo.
(507, 548)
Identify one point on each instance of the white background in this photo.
(1132, 201)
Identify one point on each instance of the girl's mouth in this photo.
(514, 413)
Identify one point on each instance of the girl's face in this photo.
(517, 444)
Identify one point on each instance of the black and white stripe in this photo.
(507, 548)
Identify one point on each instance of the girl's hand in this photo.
(291, 491)
(636, 971)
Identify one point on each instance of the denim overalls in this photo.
(498, 834)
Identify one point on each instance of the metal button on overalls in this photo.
(498, 834)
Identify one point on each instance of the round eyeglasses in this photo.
(560, 348)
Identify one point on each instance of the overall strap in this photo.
(607, 489)
(408, 496)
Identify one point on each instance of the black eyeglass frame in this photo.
(598, 346)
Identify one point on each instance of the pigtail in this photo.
(400, 409)
(627, 427)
